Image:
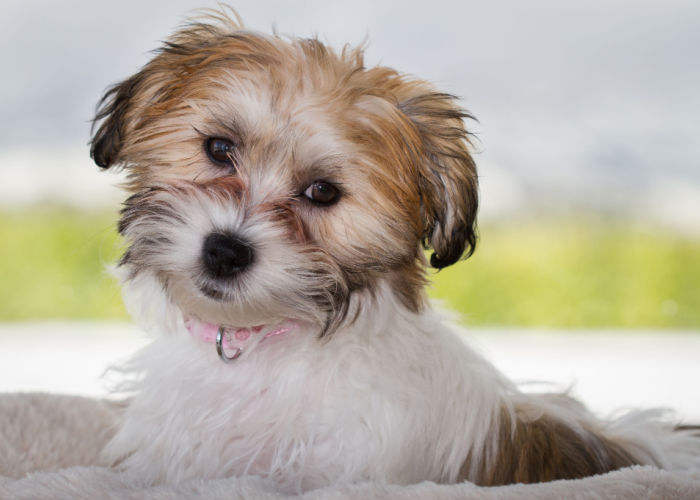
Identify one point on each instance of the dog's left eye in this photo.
(321, 192)
(220, 150)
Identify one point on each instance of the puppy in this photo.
(282, 199)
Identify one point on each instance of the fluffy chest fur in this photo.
(376, 401)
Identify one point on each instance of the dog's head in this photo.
(275, 177)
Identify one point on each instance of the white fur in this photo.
(395, 397)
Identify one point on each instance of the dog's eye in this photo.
(220, 151)
(321, 192)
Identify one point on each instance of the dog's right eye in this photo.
(220, 151)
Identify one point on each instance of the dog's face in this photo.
(273, 179)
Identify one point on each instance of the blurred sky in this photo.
(588, 105)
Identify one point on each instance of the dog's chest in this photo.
(290, 415)
(302, 413)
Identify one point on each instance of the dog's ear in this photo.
(125, 107)
(447, 175)
(110, 121)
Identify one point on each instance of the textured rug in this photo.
(49, 449)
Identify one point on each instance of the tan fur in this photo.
(539, 448)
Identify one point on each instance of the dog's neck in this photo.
(154, 311)
(235, 339)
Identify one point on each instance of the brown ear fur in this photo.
(125, 106)
(448, 179)
(111, 115)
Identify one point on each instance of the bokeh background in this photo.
(586, 142)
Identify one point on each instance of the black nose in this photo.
(225, 255)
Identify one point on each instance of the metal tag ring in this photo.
(220, 347)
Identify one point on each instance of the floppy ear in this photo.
(128, 105)
(112, 116)
(447, 176)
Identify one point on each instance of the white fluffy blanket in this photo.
(49, 450)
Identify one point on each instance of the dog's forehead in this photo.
(262, 113)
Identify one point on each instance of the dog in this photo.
(282, 198)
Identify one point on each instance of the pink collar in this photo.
(233, 338)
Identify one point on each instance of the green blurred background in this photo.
(567, 272)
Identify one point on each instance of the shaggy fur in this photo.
(370, 384)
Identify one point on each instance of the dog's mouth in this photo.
(218, 290)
